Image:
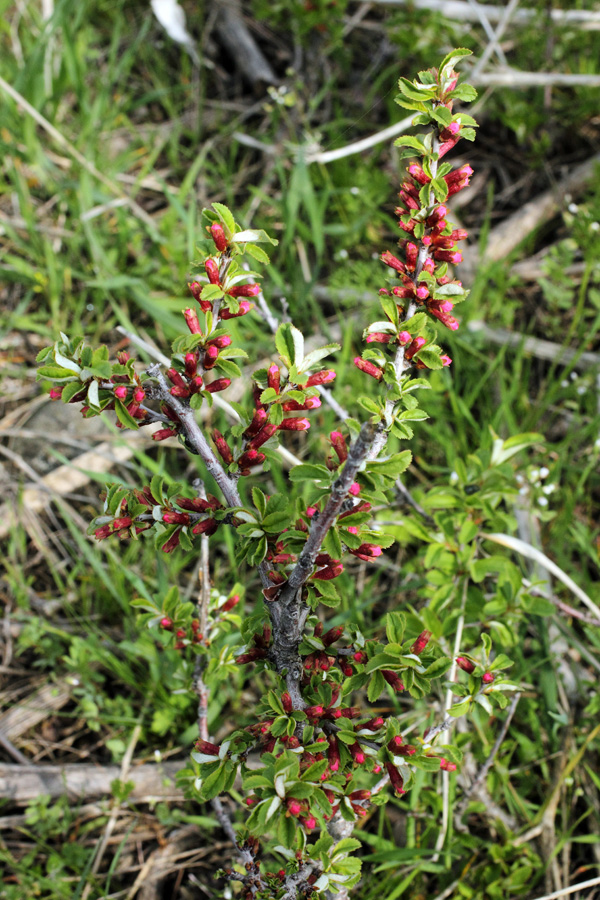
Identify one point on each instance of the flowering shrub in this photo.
(317, 756)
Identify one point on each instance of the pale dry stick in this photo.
(514, 78)
(79, 157)
(116, 808)
(530, 552)
(502, 26)
(449, 698)
(10, 748)
(492, 38)
(563, 892)
(461, 10)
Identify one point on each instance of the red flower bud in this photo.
(395, 778)
(331, 636)
(121, 392)
(465, 664)
(206, 526)
(207, 748)
(286, 701)
(487, 678)
(447, 766)
(244, 290)
(420, 643)
(219, 384)
(166, 623)
(163, 433)
(329, 573)
(358, 754)
(368, 367)
(378, 337)
(333, 754)
(294, 807)
(309, 822)
(230, 603)
(171, 517)
(249, 459)
(212, 270)
(172, 543)
(338, 442)
(390, 260)
(367, 552)
(223, 447)
(266, 432)
(192, 321)
(322, 377)
(314, 711)
(392, 679)
(245, 307)
(412, 252)
(374, 724)
(218, 236)
(294, 425)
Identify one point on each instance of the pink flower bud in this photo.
(170, 545)
(273, 377)
(333, 635)
(166, 623)
(207, 748)
(294, 807)
(244, 290)
(220, 384)
(192, 321)
(329, 572)
(379, 337)
(266, 432)
(212, 270)
(446, 361)
(418, 174)
(206, 526)
(218, 236)
(352, 529)
(121, 392)
(447, 766)
(286, 701)
(374, 724)
(451, 256)
(323, 377)
(172, 517)
(412, 252)
(395, 743)
(245, 307)
(395, 778)
(487, 678)
(294, 425)
(338, 442)
(309, 822)
(414, 347)
(138, 395)
(230, 603)
(368, 367)
(439, 213)
(422, 292)
(465, 664)
(358, 754)
(163, 433)
(196, 384)
(55, 393)
(223, 447)
(123, 356)
(392, 261)
(250, 458)
(191, 364)
(211, 356)
(420, 643)
(354, 489)
(221, 342)
(367, 552)
(258, 420)
(392, 679)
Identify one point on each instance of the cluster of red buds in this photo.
(196, 514)
(428, 242)
(260, 648)
(184, 637)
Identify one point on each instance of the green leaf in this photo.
(376, 686)
(275, 522)
(452, 58)
(392, 467)
(259, 500)
(407, 140)
(459, 709)
(416, 91)
(253, 235)
(124, 417)
(317, 355)
(438, 667)
(464, 92)
(226, 217)
(310, 472)
(290, 345)
(395, 623)
(431, 356)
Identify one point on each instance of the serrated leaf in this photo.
(124, 417)
(392, 467)
(416, 91)
(226, 217)
(407, 140)
(376, 686)
(431, 357)
(254, 235)
(317, 355)
(309, 472)
(438, 668)
(464, 92)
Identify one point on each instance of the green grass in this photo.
(128, 100)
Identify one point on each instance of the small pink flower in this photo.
(121, 392)
(354, 489)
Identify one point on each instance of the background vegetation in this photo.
(99, 213)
